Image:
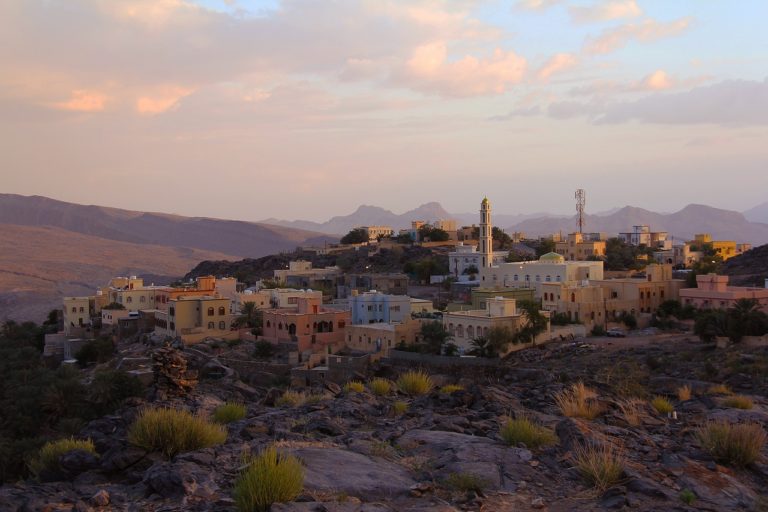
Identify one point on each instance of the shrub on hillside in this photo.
(579, 401)
(229, 412)
(738, 444)
(291, 399)
(48, 457)
(415, 382)
(354, 386)
(270, 477)
(523, 430)
(95, 351)
(662, 405)
(600, 465)
(380, 387)
(173, 431)
(738, 402)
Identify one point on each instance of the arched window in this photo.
(460, 331)
(142, 299)
(130, 299)
(573, 297)
(210, 311)
(342, 324)
(210, 325)
(451, 329)
(280, 326)
(222, 325)
(269, 324)
(470, 332)
(222, 310)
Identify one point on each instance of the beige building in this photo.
(642, 235)
(465, 326)
(712, 292)
(376, 232)
(275, 298)
(602, 301)
(578, 247)
(301, 274)
(194, 318)
(77, 312)
(374, 338)
(550, 268)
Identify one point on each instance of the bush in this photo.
(739, 402)
(48, 456)
(598, 330)
(354, 386)
(719, 389)
(630, 410)
(737, 444)
(291, 399)
(380, 386)
(110, 387)
(269, 478)
(229, 412)
(600, 465)
(263, 350)
(466, 482)
(451, 388)
(662, 405)
(579, 401)
(523, 430)
(684, 393)
(687, 496)
(399, 408)
(95, 351)
(173, 431)
(416, 382)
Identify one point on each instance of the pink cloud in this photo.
(84, 100)
(162, 100)
(612, 10)
(429, 69)
(646, 31)
(657, 81)
(558, 62)
(537, 5)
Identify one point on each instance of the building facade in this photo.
(376, 307)
(712, 292)
(312, 326)
(579, 247)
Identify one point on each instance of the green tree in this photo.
(535, 323)
(710, 323)
(355, 236)
(433, 234)
(114, 305)
(746, 319)
(434, 335)
(481, 347)
(500, 238)
(544, 246)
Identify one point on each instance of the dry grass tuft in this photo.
(738, 402)
(662, 405)
(291, 399)
(354, 386)
(579, 401)
(466, 482)
(630, 411)
(399, 408)
(415, 382)
(738, 444)
(270, 477)
(172, 431)
(523, 430)
(380, 387)
(229, 412)
(600, 465)
(451, 388)
(48, 456)
(684, 393)
(719, 389)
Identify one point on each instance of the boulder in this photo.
(182, 478)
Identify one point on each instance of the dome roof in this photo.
(485, 201)
(552, 257)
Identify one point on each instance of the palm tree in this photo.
(746, 319)
(482, 347)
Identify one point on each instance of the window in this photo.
(129, 300)
(142, 299)
(210, 325)
(74, 309)
(573, 297)
(82, 309)
(470, 332)
(527, 277)
(549, 278)
(210, 311)
(280, 326)
(515, 278)
(222, 310)
(222, 325)
(460, 331)
(172, 311)
(173, 326)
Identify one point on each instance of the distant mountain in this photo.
(40, 264)
(758, 214)
(684, 224)
(238, 238)
(51, 248)
(366, 215)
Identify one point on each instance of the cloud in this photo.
(429, 69)
(558, 62)
(83, 100)
(657, 81)
(733, 102)
(537, 5)
(648, 30)
(605, 11)
(161, 100)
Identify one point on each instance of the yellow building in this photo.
(375, 232)
(577, 247)
(77, 312)
(194, 318)
(724, 248)
(382, 337)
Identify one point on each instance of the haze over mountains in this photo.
(683, 224)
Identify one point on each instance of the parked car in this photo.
(616, 333)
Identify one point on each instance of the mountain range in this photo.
(50, 249)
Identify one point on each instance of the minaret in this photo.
(486, 234)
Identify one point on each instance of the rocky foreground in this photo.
(361, 455)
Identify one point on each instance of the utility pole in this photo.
(581, 203)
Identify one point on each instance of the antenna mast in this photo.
(581, 202)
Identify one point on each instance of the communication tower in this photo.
(581, 203)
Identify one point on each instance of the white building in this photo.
(466, 257)
(551, 267)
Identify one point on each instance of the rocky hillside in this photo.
(443, 451)
(748, 269)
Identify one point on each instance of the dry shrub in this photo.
(292, 399)
(662, 405)
(523, 430)
(684, 393)
(738, 402)
(48, 456)
(719, 389)
(630, 411)
(600, 465)
(399, 408)
(579, 401)
(172, 431)
(354, 386)
(380, 387)
(229, 412)
(738, 444)
(270, 477)
(451, 388)
(415, 382)
(466, 482)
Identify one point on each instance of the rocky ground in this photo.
(360, 456)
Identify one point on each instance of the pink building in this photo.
(310, 324)
(713, 292)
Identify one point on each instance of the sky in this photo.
(305, 109)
